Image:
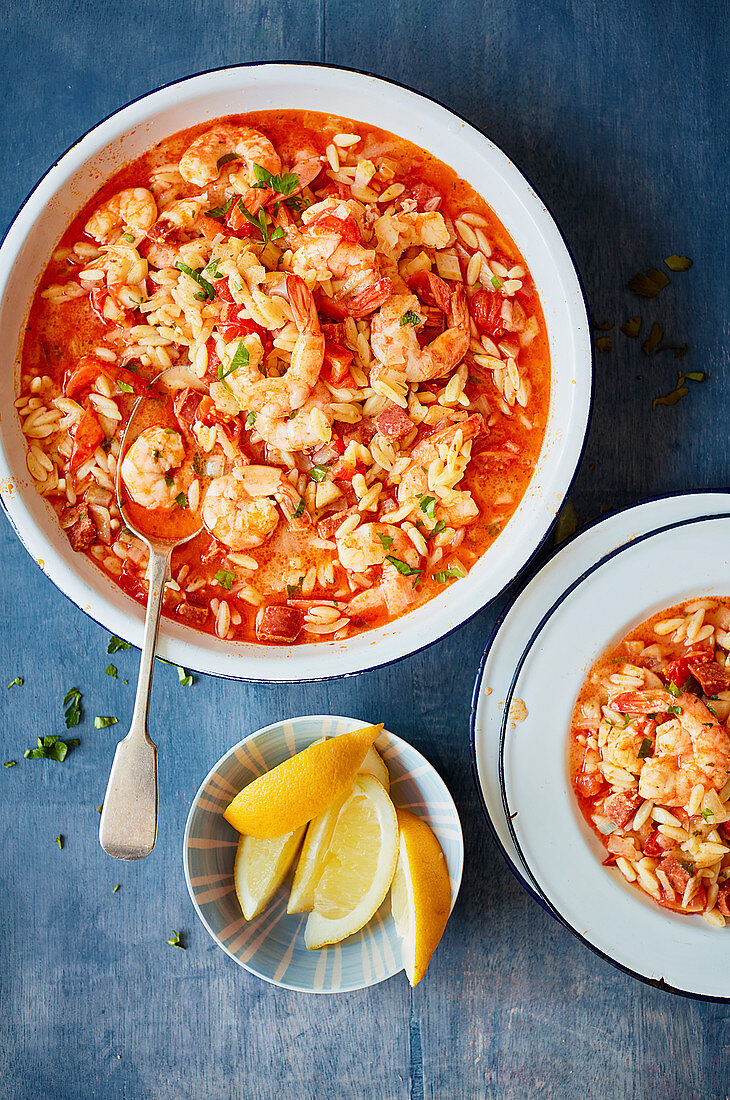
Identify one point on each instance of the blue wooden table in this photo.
(617, 111)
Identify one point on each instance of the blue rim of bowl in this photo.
(531, 885)
(522, 571)
(199, 792)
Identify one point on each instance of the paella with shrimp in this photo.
(368, 375)
(650, 757)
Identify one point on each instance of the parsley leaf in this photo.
(10, 763)
(645, 749)
(410, 318)
(283, 185)
(176, 941)
(59, 840)
(129, 238)
(680, 389)
(650, 284)
(169, 481)
(100, 722)
(260, 222)
(115, 888)
(72, 703)
(678, 263)
(111, 670)
(240, 359)
(211, 269)
(674, 689)
(181, 500)
(404, 568)
(674, 710)
(226, 159)
(184, 677)
(455, 572)
(208, 290)
(219, 212)
(299, 508)
(18, 680)
(386, 541)
(707, 814)
(51, 747)
(428, 506)
(124, 387)
(115, 644)
(224, 578)
(251, 419)
(436, 529)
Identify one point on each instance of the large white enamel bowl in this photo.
(132, 130)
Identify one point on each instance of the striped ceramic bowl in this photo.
(272, 945)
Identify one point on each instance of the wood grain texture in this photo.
(617, 112)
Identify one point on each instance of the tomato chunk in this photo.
(87, 435)
(486, 310)
(89, 369)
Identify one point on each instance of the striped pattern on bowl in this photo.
(272, 945)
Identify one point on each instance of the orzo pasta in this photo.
(370, 367)
(650, 757)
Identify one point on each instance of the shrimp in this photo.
(331, 239)
(306, 428)
(133, 209)
(395, 344)
(694, 750)
(455, 508)
(394, 233)
(150, 469)
(202, 161)
(238, 508)
(380, 544)
(177, 218)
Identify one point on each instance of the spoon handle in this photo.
(128, 827)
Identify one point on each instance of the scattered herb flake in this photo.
(674, 690)
(680, 389)
(650, 284)
(184, 676)
(226, 159)
(111, 670)
(696, 375)
(240, 359)
(10, 763)
(115, 644)
(198, 463)
(410, 318)
(645, 749)
(18, 680)
(674, 710)
(211, 269)
(283, 185)
(454, 572)
(169, 481)
(428, 506)
(277, 234)
(567, 523)
(251, 419)
(603, 343)
(219, 212)
(678, 263)
(100, 808)
(101, 721)
(59, 840)
(299, 508)
(404, 568)
(632, 327)
(181, 500)
(176, 941)
(437, 527)
(208, 290)
(224, 578)
(72, 703)
(385, 540)
(678, 349)
(707, 814)
(318, 473)
(602, 326)
(115, 888)
(124, 387)
(51, 747)
(129, 238)
(496, 282)
(653, 340)
(293, 590)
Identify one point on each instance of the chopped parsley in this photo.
(59, 840)
(496, 282)
(318, 473)
(437, 528)
(404, 568)
(283, 185)
(124, 387)
(111, 670)
(18, 680)
(428, 506)
(678, 263)
(385, 540)
(299, 508)
(115, 644)
(260, 222)
(181, 500)
(453, 573)
(674, 710)
(207, 289)
(650, 284)
(212, 269)
(674, 690)
(176, 941)
(129, 238)
(680, 390)
(72, 703)
(225, 579)
(198, 463)
(115, 888)
(100, 808)
(653, 340)
(101, 721)
(240, 359)
(156, 455)
(219, 212)
(707, 814)
(51, 747)
(632, 327)
(169, 481)
(250, 419)
(410, 318)
(277, 234)
(226, 159)
(644, 749)
(184, 676)
(10, 763)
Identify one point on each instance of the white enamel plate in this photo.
(605, 582)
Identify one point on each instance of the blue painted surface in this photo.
(617, 112)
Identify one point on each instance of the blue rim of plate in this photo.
(521, 573)
(456, 885)
(530, 884)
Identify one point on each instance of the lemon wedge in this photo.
(358, 867)
(301, 787)
(319, 837)
(420, 896)
(260, 868)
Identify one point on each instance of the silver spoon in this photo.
(128, 827)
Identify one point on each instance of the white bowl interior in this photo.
(272, 945)
(125, 135)
(558, 848)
